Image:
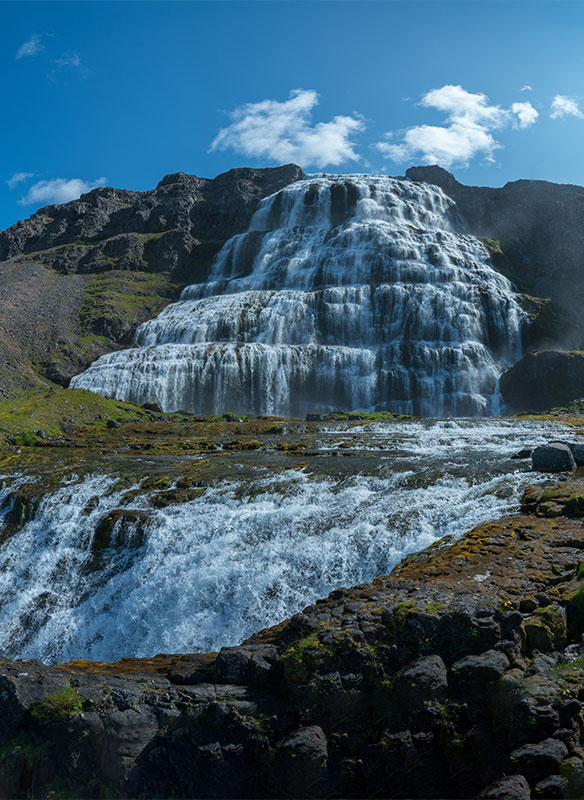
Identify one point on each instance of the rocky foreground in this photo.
(458, 675)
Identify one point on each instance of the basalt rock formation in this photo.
(543, 380)
(458, 675)
(76, 279)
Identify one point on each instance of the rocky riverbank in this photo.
(458, 675)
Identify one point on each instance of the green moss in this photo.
(57, 705)
(125, 297)
(492, 245)
(306, 654)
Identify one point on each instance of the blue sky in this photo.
(124, 93)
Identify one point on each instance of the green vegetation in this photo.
(37, 415)
(57, 705)
(492, 245)
(120, 298)
(305, 655)
(367, 416)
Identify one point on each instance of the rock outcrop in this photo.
(459, 675)
(543, 380)
(76, 279)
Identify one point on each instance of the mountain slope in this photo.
(76, 279)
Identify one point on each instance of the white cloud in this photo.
(68, 60)
(65, 61)
(18, 177)
(32, 47)
(470, 120)
(58, 190)
(563, 106)
(526, 114)
(526, 88)
(284, 132)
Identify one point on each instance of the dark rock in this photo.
(542, 380)
(511, 787)
(152, 406)
(313, 416)
(244, 665)
(524, 453)
(422, 680)
(112, 423)
(478, 671)
(537, 761)
(301, 763)
(555, 786)
(553, 458)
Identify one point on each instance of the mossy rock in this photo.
(61, 704)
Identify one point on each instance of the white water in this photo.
(212, 571)
(353, 292)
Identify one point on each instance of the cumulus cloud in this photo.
(526, 114)
(58, 190)
(471, 121)
(284, 132)
(18, 177)
(563, 106)
(32, 47)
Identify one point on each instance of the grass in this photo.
(49, 411)
(57, 705)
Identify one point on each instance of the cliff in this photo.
(76, 279)
(458, 675)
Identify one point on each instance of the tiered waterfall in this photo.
(347, 292)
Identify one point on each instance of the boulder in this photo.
(553, 458)
(511, 787)
(538, 761)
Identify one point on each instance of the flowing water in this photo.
(354, 292)
(255, 547)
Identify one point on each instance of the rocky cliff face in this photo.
(459, 675)
(535, 232)
(76, 279)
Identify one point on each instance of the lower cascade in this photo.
(252, 549)
(354, 292)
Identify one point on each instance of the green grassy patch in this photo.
(57, 705)
(124, 297)
(37, 415)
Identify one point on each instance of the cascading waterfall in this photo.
(199, 575)
(353, 292)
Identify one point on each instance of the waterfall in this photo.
(352, 292)
(250, 551)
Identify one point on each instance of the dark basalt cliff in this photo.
(76, 279)
(459, 675)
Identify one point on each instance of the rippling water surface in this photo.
(254, 548)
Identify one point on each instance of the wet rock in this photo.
(524, 453)
(537, 761)
(313, 416)
(553, 458)
(511, 787)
